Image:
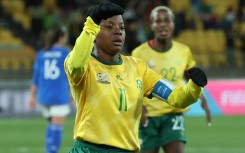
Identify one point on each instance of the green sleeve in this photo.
(76, 62)
(184, 96)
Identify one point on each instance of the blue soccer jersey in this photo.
(50, 78)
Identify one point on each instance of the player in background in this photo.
(107, 87)
(50, 87)
(163, 125)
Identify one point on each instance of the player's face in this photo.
(111, 37)
(162, 25)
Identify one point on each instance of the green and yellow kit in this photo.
(171, 63)
(108, 95)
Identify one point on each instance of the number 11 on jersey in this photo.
(123, 100)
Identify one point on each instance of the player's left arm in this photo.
(181, 97)
(205, 107)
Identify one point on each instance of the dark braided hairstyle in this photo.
(104, 10)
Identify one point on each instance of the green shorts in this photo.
(87, 147)
(162, 130)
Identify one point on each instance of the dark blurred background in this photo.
(214, 30)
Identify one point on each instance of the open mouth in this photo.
(163, 32)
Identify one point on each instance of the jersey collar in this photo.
(109, 63)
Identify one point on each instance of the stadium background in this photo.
(214, 30)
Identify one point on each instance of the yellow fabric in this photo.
(189, 94)
(76, 64)
(171, 64)
(108, 97)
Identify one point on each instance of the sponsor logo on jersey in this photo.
(139, 84)
(103, 78)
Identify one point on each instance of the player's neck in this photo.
(160, 45)
(58, 44)
(105, 56)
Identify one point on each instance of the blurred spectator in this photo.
(227, 26)
(46, 14)
(50, 16)
(205, 11)
(229, 18)
(36, 23)
(76, 23)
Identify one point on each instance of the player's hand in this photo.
(102, 11)
(32, 103)
(198, 76)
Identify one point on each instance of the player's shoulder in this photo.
(181, 45)
(132, 59)
(177, 43)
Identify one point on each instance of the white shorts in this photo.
(56, 110)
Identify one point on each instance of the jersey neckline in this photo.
(109, 63)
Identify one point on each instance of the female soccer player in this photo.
(163, 125)
(108, 87)
(51, 86)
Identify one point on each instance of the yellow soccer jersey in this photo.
(108, 98)
(171, 64)
(109, 95)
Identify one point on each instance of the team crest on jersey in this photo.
(139, 84)
(119, 77)
(103, 78)
(151, 64)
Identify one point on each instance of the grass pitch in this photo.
(226, 135)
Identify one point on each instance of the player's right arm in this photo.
(35, 78)
(32, 100)
(76, 61)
